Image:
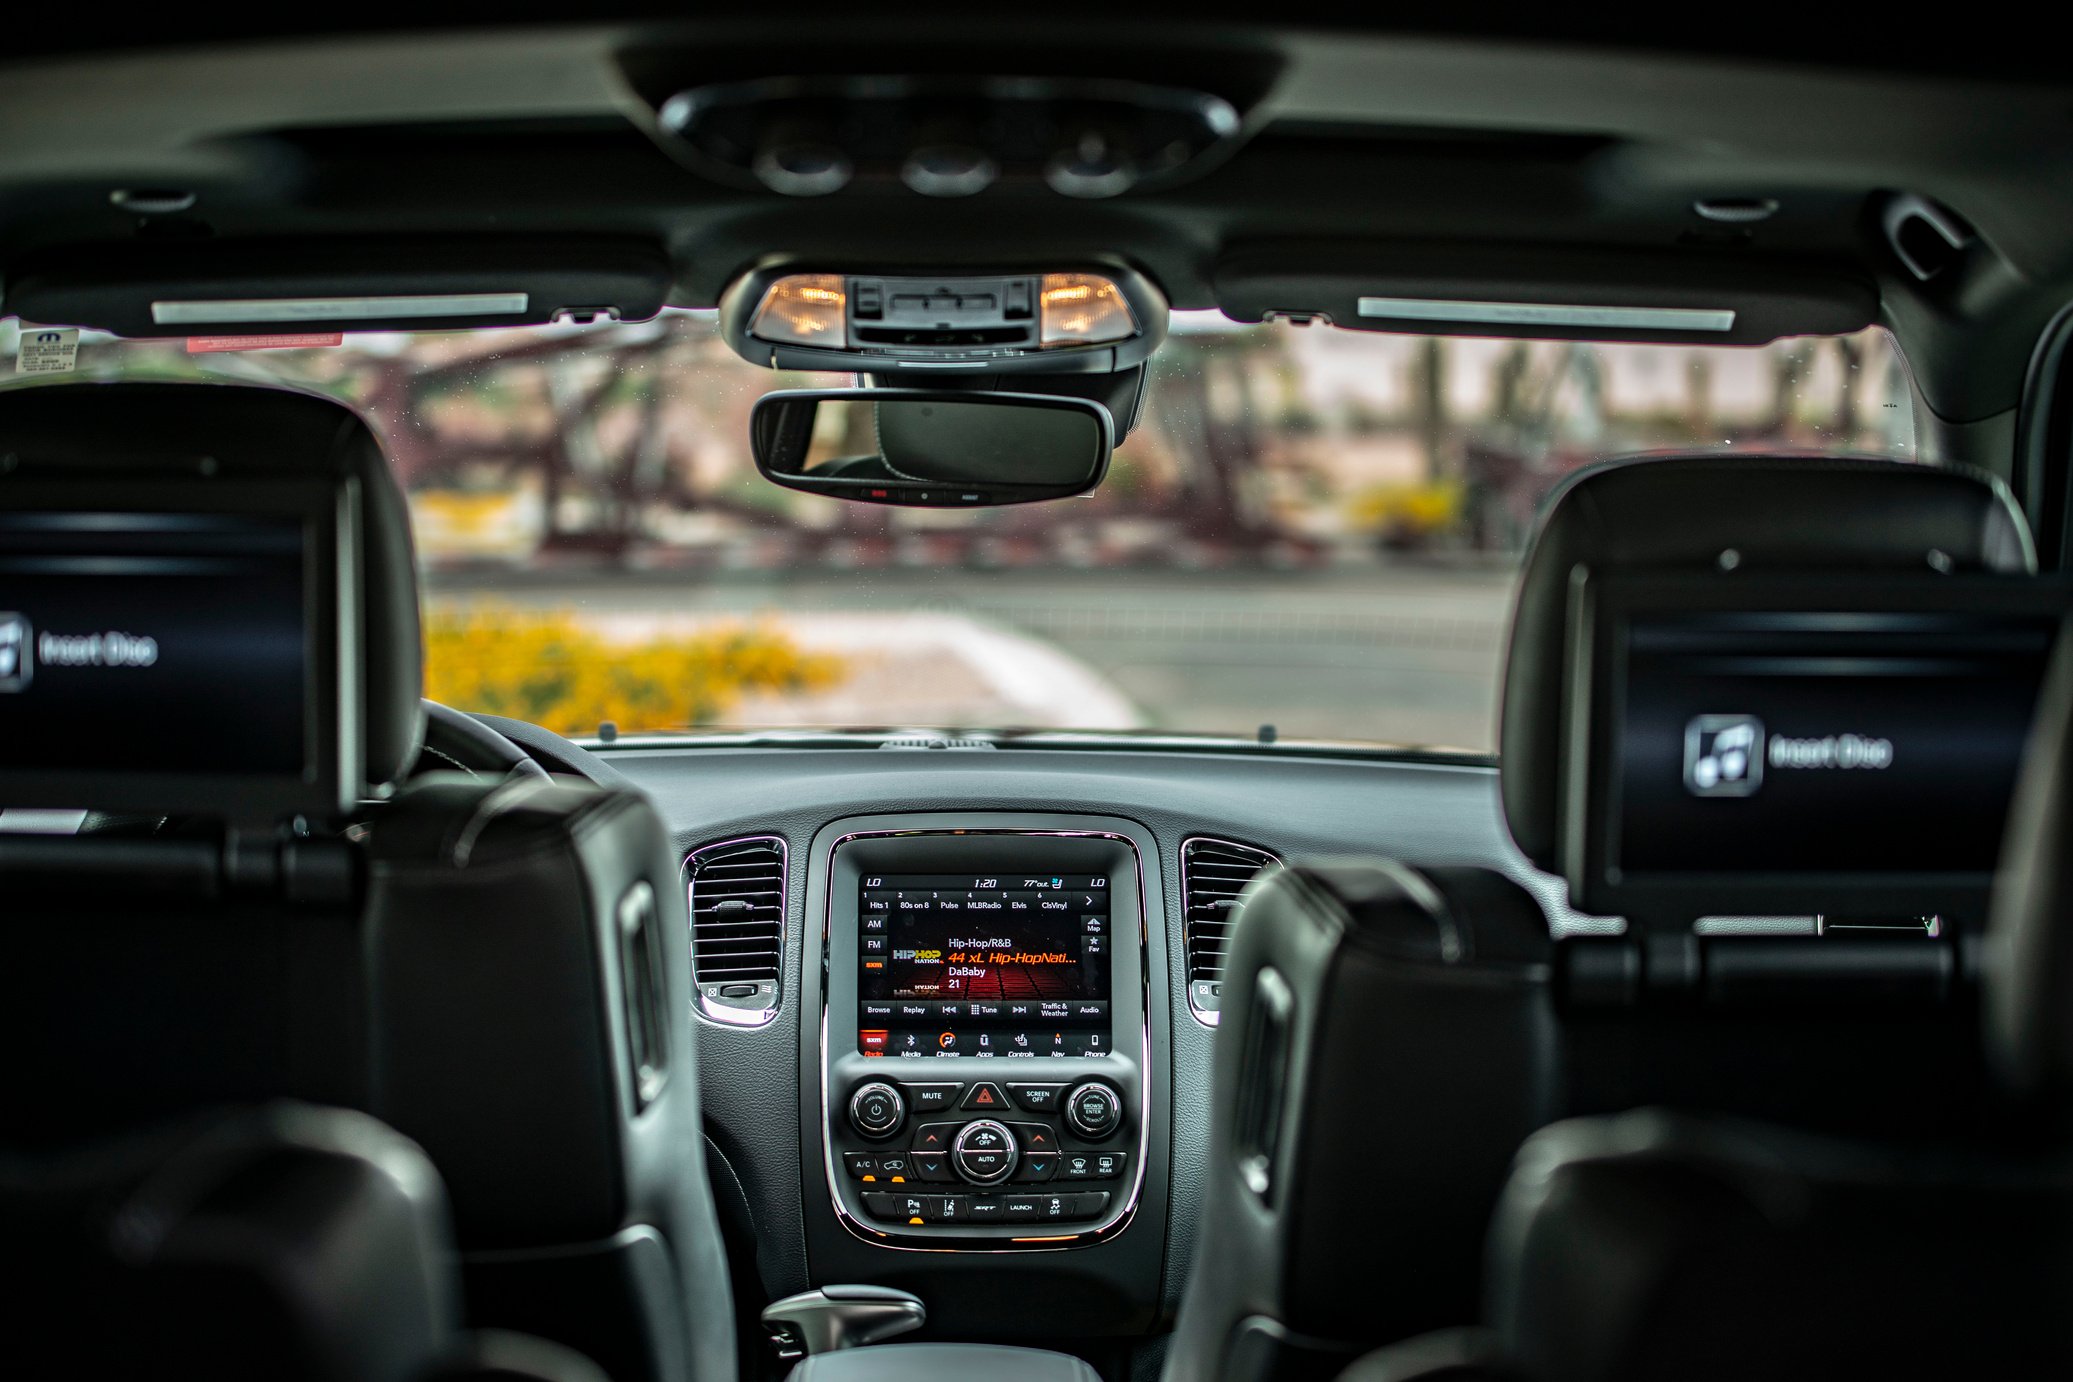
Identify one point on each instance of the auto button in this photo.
(984, 1153)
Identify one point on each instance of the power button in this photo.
(876, 1110)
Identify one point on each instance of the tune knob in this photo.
(1093, 1110)
(984, 1152)
(877, 1110)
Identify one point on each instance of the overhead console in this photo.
(985, 1047)
(947, 136)
(1059, 320)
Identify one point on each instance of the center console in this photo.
(984, 1036)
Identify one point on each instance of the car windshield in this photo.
(1311, 534)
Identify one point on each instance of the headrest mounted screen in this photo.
(1800, 744)
(182, 647)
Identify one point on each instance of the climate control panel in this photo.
(1046, 1158)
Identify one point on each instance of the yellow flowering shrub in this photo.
(553, 669)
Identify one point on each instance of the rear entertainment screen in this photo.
(1768, 743)
(153, 642)
(987, 964)
(1798, 742)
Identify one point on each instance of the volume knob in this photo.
(877, 1110)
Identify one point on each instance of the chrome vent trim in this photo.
(1213, 873)
(737, 891)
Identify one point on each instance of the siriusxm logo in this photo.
(1723, 755)
(17, 658)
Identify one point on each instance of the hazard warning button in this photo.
(985, 1095)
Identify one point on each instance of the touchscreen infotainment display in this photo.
(985, 965)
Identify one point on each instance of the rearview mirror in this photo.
(931, 449)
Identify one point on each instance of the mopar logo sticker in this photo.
(47, 351)
(17, 658)
(1723, 755)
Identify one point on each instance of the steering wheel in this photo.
(456, 742)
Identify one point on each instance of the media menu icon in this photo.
(17, 653)
(1723, 755)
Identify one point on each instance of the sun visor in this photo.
(1545, 294)
(236, 288)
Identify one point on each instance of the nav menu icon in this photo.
(17, 654)
(1723, 755)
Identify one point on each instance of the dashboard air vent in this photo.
(737, 927)
(1212, 875)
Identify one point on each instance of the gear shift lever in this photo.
(840, 1317)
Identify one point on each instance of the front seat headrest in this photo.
(130, 430)
(1667, 513)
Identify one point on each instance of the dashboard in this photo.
(975, 1072)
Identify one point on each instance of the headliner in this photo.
(1561, 133)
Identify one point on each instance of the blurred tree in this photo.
(1850, 355)
(1205, 414)
(1698, 394)
(1789, 373)
(1430, 408)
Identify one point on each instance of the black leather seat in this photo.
(1717, 1249)
(1657, 1244)
(283, 1241)
(288, 1241)
(1674, 1244)
(492, 962)
(1657, 1015)
(1384, 1047)
(1421, 1039)
(530, 1026)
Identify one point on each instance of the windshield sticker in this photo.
(51, 351)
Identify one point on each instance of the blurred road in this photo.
(1404, 653)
